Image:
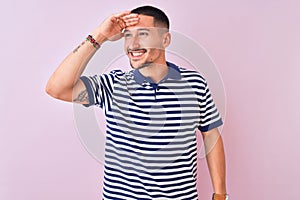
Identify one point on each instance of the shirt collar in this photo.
(173, 73)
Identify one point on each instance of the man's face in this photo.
(144, 43)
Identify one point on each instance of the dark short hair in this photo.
(160, 18)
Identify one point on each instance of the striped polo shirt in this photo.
(151, 150)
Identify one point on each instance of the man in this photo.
(152, 112)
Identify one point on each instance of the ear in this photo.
(166, 39)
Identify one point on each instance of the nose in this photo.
(135, 42)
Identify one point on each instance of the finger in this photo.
(131, 20)
(121, 23)
(118, 21)
(131, 23)
(130, 16)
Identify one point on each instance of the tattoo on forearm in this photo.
(82, 97)
(77, 48)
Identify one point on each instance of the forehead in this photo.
(145, 21)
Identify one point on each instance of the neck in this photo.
(155, 71)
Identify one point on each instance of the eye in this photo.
(143, 34)
(127, 35)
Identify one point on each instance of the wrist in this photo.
(99, 37)
(92, 40)
(220, 196)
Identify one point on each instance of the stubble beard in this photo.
(142, 65)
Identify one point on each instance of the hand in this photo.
(113, 26)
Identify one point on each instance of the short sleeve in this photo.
(99, 88)
(209, 115)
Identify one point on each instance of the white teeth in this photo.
(136, 54)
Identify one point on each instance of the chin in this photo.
(134, 65)
(137, 65)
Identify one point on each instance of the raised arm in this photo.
(65, 83)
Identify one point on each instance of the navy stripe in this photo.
(211, 126)
(167, 195)
(137, 147)
(123, 153)
(166, 181)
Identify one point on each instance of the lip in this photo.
(136, 53)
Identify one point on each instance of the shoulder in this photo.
(110, 77)
(192, 76)
(187, 74)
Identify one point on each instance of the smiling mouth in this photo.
(137, 53)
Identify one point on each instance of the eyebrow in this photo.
(139, 29)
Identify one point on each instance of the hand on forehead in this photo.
(144, 21)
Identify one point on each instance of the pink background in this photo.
(255, 45)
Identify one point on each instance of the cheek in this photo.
(129, 43)
(153, 53)
(151, 43)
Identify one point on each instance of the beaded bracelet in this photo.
(93, 41)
